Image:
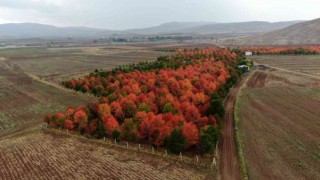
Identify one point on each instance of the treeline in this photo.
(176, 101)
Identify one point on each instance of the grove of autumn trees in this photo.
(174, 102)
(282, 50)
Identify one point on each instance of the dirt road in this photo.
(230, 168)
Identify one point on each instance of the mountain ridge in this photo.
(301, 33)
(35, 30)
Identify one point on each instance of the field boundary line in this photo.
(290, 71)
(38, 79)
(243, 165)
(176, 158)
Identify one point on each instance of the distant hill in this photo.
(171, 27)
(241, 27)
(302, 33)
(214, 28)
(33, 30)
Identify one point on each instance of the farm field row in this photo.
(55, 64)
(309, 64)
(46, 155)
(279, 125)
(24, 100)
(29, 153)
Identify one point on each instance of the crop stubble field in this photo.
(27, 152)
(279, 120)
(47, 155)
(308, 64)
(56, 64)
(25, 101)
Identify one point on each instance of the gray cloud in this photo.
(123, 14)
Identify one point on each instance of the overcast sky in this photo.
(124, 14)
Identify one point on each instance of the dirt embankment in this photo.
(258, 80)
(261, 79)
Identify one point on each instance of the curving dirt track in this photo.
(230, 168)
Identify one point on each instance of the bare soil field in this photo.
(279, 124)
(173, 46)
(25, 101)
(308, 64)
(46, 155)
(56, 64)
(28, 152)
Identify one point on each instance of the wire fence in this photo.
(210, 161)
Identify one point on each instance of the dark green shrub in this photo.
(176, 142)
(208, 138)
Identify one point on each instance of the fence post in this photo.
(197, 158)
(180, 155)
(152, 149)
(115, 141)
(47, 125)
(214, 161)
(104, 138)
(127, 145)
(139, 146)
(166, 153)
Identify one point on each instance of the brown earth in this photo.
(37, 154)
(27, 152)
(57, 64)
(280, 125)
(228, 153)
(24, 101)
(306, 64)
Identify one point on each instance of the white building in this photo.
(244, 67)
(248, 53)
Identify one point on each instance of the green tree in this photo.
(116, 135)
(176, 142)
(216, 105)
(144, 107)
(208, 138)
(101, 129)
(169, 108)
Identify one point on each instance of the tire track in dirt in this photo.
(230, 168)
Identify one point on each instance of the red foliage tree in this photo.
(111, 124)
(148, 104)
(80, 118)
(69, 124)
(104, 110)
(190, 131)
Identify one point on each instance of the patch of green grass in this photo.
(40, 108)
(7, 52)
(243, 167)
(239, 142)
